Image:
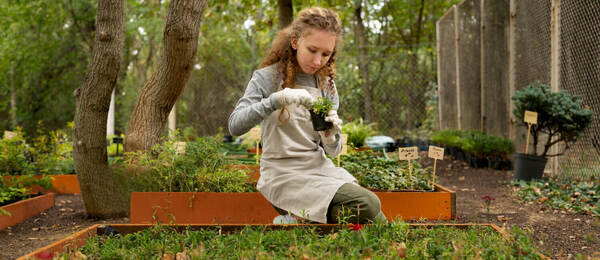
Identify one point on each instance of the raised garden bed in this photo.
(22, 210)
(277, 241)
(61, 184)
(253, 208)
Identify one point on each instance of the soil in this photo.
(558, 234)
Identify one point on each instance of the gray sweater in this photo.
(258, 103)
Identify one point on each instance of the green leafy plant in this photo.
(381, 173)
(358, 131)
(322, 106)
(561, 117)
(201, 168)
(15, 156)
(16, 188)
(572, 195)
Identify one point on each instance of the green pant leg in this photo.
(353, 204)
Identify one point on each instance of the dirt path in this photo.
(558, 234)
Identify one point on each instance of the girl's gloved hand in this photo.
(289, 96)
(328, 136)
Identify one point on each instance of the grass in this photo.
(377, 241)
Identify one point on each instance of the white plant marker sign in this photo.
(530, 119)
(408, 154)
(344, 147)
(9, 135)
(255, 135)
(437, 153)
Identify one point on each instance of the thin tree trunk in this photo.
(363, 63)
(101, 193)
(13, 99)
(286, 13)
(159, 94)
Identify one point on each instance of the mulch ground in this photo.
(558, 234)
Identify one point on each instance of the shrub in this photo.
(200, 169)
(560, 116)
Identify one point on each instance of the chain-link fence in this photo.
(579, 73)
(553, 41)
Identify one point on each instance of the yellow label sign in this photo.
(255, 133)
(344, 149)
(436, 152)
(180, 147)
(344, 138)
(9, 135)
(408, 153)
(530, 117)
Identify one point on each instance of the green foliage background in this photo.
(45, 48)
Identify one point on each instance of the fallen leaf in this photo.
(400, 249)
(461, 178)
(502, 218)
(35, 229)
(167, 256)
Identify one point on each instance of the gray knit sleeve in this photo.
(256, 104)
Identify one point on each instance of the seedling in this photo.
(318, 111)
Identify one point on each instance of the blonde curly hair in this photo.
(282, 53)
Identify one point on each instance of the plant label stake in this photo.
(344, 147)
(255, 134)
(530, 119)
(408, 154)
(437, 153)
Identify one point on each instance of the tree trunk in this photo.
(13, 100)
(101, 193)
(286, 13)
(363, 63)
(159, 94)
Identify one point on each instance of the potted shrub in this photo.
(561, 117)
(318, 112)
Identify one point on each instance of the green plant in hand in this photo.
(560, 116)
(322, 106)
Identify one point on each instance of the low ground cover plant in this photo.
(578, 195)
(201, 168)
(380, 173)
(382, 241)
(16, 188)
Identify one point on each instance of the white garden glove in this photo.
(289, 96)
(328, 136)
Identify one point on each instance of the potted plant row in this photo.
(395, 240)
(201, 186)
(561, 118)
(479, 150)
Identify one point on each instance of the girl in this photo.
(296, 176)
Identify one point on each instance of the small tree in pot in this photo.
(561, 117)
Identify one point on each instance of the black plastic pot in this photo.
(319, 123)
(529, 166)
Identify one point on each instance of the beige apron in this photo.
(295, 174)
